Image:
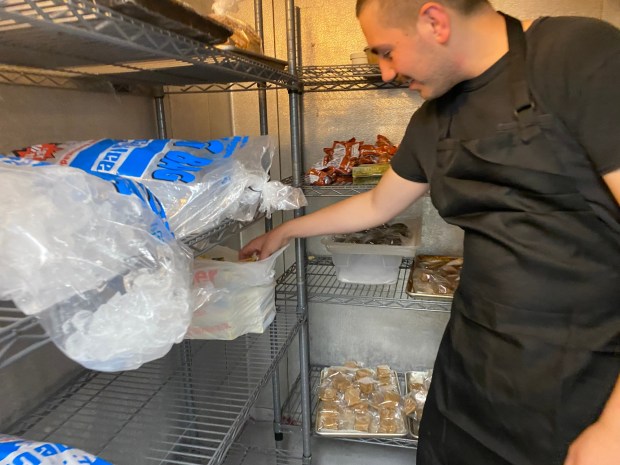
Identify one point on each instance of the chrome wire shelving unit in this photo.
(90, 41)
(186, 408)
(292, 414)
(190, 406)
(324, 287)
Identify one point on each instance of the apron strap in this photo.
(524, 106)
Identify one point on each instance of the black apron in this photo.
(532, 348)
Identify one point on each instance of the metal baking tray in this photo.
(411, 423)
(413, 288)
(173, 15)
(360, 434)
(273, 62)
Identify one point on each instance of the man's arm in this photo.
(390, 197)
(599, 444)
(613, 182)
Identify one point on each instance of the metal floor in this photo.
(258, 435)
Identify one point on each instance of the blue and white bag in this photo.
(15, 451)
(200, 183)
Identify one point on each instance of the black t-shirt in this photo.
(573, 66)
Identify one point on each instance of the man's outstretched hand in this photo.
(265, 245)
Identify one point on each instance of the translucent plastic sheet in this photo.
(94, 260)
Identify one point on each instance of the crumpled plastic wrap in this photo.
(199, 183)
(93, 258)
(277, 196)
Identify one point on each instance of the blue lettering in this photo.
(105, 166)
(190, 143)
(173, 175)
(183, 158)
(26, 459)
(46, 450)
(215, 146)
(112, 156)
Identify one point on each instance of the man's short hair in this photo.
(407, 9)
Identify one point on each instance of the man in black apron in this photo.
(519, 143)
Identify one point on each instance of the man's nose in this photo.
(387, 71)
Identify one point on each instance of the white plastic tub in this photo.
(366, 268)
(373, 263)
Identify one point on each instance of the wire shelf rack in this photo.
(186, 408)
(344, 78)
(241, 454)
(340, 189)
(324, 287)
(200, 243)
(19, 334)
(291, 412)
(82, 37)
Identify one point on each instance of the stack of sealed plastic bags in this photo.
(92, 237)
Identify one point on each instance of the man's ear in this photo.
(436, 20)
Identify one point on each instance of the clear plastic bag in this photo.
(244, 36)
(94, 260)
(278, 196)
(232, 298)
(199, 183)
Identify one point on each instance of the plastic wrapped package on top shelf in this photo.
(244, 36)
(93, 258)
(232, 298)
(199, 183)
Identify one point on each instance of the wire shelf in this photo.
(200, 243)
(291, 412)
(344, 78)
(82, 37)
(240, 454)
(19, 334)
(340, 189)
(186, 408)
(324, 287)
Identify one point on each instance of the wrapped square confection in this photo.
(352, 396)
(366, 385)
(328, 393)
(364, 373)
(328, 420)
